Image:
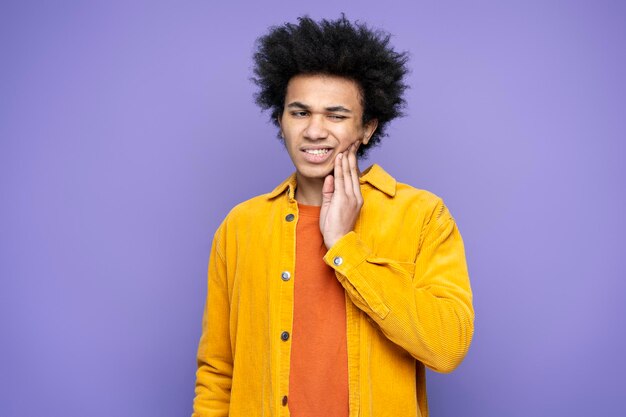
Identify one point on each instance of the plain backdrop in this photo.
(128, 131)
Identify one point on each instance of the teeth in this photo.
(317, 151)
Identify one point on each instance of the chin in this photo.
(315, 172)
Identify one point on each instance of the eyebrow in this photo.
(298, 105)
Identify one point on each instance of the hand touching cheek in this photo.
(341, 198)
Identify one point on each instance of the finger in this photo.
(347, 177)
(339, 184)
(328, 189)
(354, 171)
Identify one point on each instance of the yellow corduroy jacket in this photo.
(408, 302)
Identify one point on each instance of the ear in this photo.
(368, 130)
(280, 127)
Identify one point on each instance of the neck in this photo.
(309, 190)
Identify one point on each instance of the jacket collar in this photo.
(375, 175)
(289, 184)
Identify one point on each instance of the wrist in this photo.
(329, 242)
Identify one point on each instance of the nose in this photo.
(316, 129)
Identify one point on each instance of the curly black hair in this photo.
(332, 47)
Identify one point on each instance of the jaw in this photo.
(314, 172)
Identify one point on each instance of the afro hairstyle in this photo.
(338, 48)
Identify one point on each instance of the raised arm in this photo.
(427, 311)
(426, 308)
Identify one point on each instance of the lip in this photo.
(316, 159)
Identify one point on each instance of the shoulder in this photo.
(264, 205)
(398, 196)
(250, 210)
(246, 219)
(423, 204)
(416, 196)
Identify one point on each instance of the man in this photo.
(329, 295)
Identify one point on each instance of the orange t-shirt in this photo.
(318, 380)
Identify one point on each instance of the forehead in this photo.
(319, 90)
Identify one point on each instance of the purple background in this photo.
(128, 130)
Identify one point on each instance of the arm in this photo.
(428, 311)
(215, 362)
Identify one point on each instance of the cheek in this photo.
(349, 135)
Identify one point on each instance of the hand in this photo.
(341, 198)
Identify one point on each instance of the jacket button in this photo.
(285, 400)
(290, 217)
(284, 336)
(285, 275)
(338, 260)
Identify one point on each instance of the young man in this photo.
(329, 295)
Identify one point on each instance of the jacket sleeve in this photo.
(427, 310)
(215, 361)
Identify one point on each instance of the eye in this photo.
(337, 117)
(299, 113)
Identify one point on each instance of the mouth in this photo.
(321, 151)
(317, 155)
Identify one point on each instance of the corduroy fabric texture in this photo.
(408, 302)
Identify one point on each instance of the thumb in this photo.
(328, 189)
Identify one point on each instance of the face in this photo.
(323, 116)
